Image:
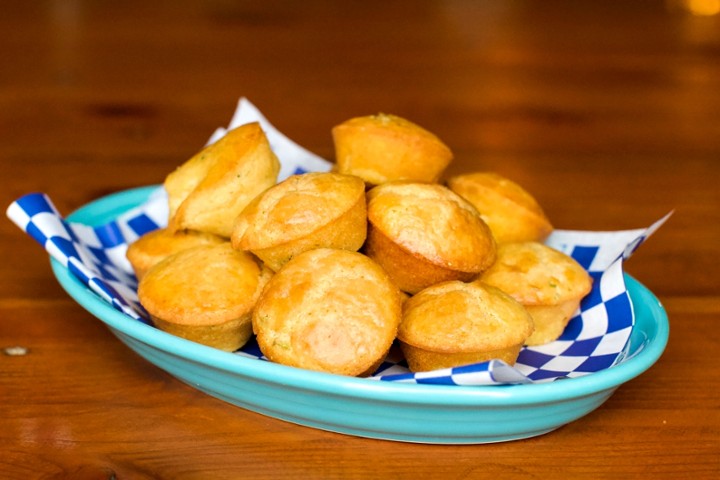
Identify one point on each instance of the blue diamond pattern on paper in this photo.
(573, 329)
(142, 224)
(36, 233)
(597, 363)
(582, 348)
(620, 310)
(110, 235)
(584, 255)
(33, 204)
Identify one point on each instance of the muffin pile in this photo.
(329, 270)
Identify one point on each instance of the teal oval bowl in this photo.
(438, 414)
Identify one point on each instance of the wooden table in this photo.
(608, 112)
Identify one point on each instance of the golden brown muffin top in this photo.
(296, 207)
(389, 124)
(385, 147)
(203, 285)
(431, 221)
(208, 191)
(328, 310)
(152, 247)
(510, 211)
(535, 274)
(457, 317)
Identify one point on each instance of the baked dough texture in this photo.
(423, 234)
(303, 212)
(549, 283)
(328, 310)
(455, 323)
(510, 211)
(328, 269)
(205, 294)
(154, 246)
(384, 147)
(209, 191)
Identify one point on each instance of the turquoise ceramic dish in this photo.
(369, 408)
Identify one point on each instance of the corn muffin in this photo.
(549, 283)
(205, 294)
(154, 246)
(423, 234)
(382, 148)
(510, 211)
(210, 190)
(455, 323)
(328, 310)
(301, 213)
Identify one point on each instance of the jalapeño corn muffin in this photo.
(381, 148)
(205, 294)
(455, 323)
(510, 211)
(207, 192)
(301, 213)
(423, 234)
(547, 282)
(328, 310)
(154, 246)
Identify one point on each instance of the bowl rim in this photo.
(638, 361)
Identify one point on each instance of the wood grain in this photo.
(608, 112)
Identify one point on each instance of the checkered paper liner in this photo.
(596, 337)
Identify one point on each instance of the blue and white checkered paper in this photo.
(596, 337)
